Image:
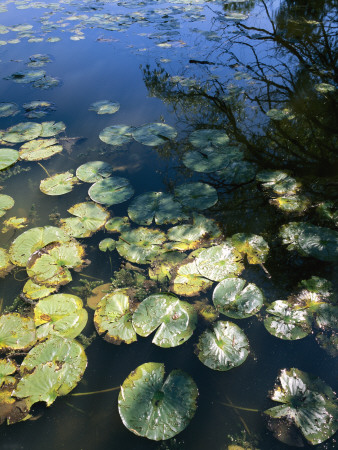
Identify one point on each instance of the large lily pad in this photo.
(105, 107)
(287, 322)
(140, 245)
(51, 369)
(205, 138)
(38, 149)
(58, 184)
(113, 318)
(24, 131)
(154, 408)
(154, 134)
(210, 159)
(175, 320)
(8, 156)
(61, 314)
(49, 129)
(187, 280)
(94, 171)
(308, 402)
(253, 245)
(219, 262)
(235, 299)
(6, 203)
(50, 265)
(196, 196)
(111, 191)
(223, 347)
(32, 240)
(90, 217)
(16, 332)
(116, 134)
(157, 206)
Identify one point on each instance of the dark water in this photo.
(271, 57)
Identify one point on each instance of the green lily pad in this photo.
(141, 245)
(154, 408)
(90, 217)
(58, 184)
(253, 245)
(38, 149)
(319, 242)
(9, 109)
(61, 314)
(7, 368)
(35, 291)
(223, 347)
(154, 134)
(280, 182)
(107, 244)
(117, 224)
(187, 280)
(326, 316)
(291, 203)
(5, 263)
(6, 203)
(162, 266)
(205, 138)
(113, 318)
(116, 134)
(32, 240)
(51, 128)
(174, 320)
(50, 265)
(219, 262)
(210, 159)
(238, 172)
(94, 171)
(190, 237)
(14, 223)
(323, 88)
(37, 109)
(26, 76)
(16, 332)
(105, 107)
(287, 322)
(157, 206)
(308, 402)
(24, 131)
(196, 196)
(8, 157)
(232, 298)
(51, 369)
(111, 191)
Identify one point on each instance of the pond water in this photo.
(261, 76)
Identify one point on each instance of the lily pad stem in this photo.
(44, 169)
(239, 407)
(239, 416)
(80, 394)
(265, 270)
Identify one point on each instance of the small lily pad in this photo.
(187, 280)
(238, 172)
(113, 318)
(111, 191)
(196, 196)
(154, 408)
(107, 244)
(253, 245)
(58, 184)
(90, 217)
(308, 402)
(116, 134)
(105, 107)
(117, 224)
(38, 149)
(154, 134)
(5, 263)
(206, 137)
(210, 159)
(51, 128)
(219, 262)
(223, 347)
(6, 203)
(34, 291)
(9, 109)
(14, 223)
(16, 332)
(94, 171)
(141, 245)
(174, 320)
(235, 299)
(8, 157)
(7, 367)
(278, 181)
(162, 266)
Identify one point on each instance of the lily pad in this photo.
(210, 159)
(116, 134)
(37, 109)
(238, 172)
(7, 368)
(162, 266)
(113, 318)
(24, 131)
(51, 369)
(141, 245)
(111, 191)
(32, 240)
(280, 182)
(223, 347)
(38, 149)
(6, 203)
(206, 137)
(107, 244)
(291, 203)
(319, 242)
(50, 265)
(187, 280)
(35, 291)
(14, 223)
(174, 320)
(51, 128)
(16, 332)
(26, 76)
(94, 171)
(105, 107)
(58, 184)
(9, 109)
(154, 408)
(219, 262)
(117, 225)
(196, 196)
(157, 206)
(253, 245)
(61, 314)
(5, 263)
(154, 134)
(235, 299)
(287, 322)
(90, 217)
(308, 402)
